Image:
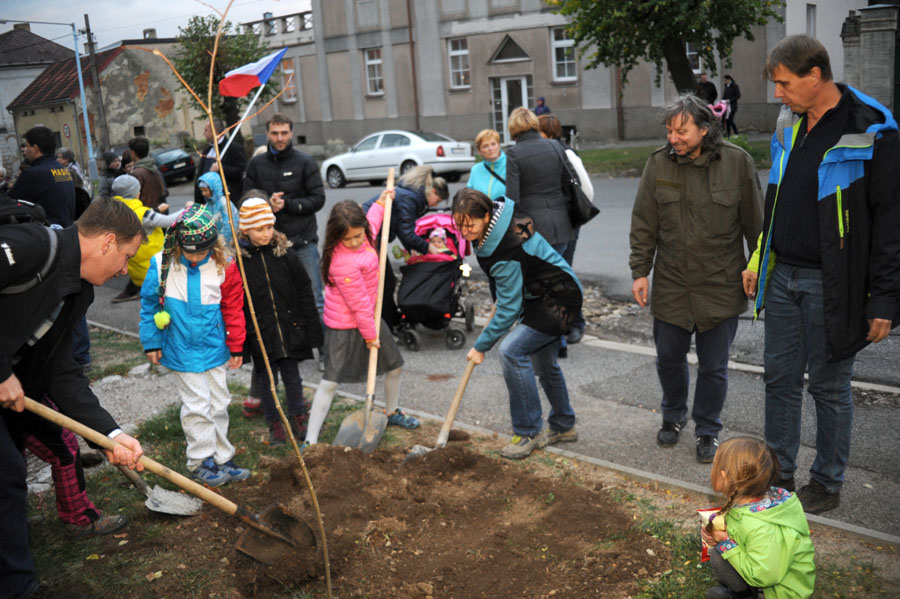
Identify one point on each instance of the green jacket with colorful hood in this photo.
(859, 221)
(768, 545)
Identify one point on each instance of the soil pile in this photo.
(452, 524)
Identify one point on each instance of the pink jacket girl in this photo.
(350, 272)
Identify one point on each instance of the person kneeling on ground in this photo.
(536, 288)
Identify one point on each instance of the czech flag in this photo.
(238, 82)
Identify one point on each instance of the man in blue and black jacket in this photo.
(826, 266)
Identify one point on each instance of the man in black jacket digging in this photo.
(36, 352)
(292, 180)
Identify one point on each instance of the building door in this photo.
(508, 94)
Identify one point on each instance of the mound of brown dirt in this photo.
(452, 524)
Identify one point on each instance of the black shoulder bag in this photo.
(493, 172)
(581, 209)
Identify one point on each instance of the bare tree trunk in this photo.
(679, 65)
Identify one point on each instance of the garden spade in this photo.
(284, 531)
(162, 500)
(419, 450)
(363, 428)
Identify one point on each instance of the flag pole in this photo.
(246, 112)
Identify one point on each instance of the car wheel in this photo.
(335, 177)
(454, 339)
(404, 168)
(452, 177)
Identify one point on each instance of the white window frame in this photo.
(811, 20)
(374, 72)
(693, 57)
(287, 81)
(461, 71)
(567, 45)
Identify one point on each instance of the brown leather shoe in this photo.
(103, 525)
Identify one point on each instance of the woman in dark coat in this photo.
(534, 179)
(731, 94)
(535, 171)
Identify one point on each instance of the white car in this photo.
(370, 159)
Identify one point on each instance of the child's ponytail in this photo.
(750, 468)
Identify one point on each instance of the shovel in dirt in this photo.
(363, 428)
(162, 500)
(419, 450)
(272, 533)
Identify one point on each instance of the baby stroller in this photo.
(431, 287)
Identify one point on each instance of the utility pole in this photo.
(95, 75)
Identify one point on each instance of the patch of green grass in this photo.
(850, 580)
(112, 353)
(629, 162)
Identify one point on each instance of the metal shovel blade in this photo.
(162, 500)
(169, 502)
(268, 549)
(356, 432)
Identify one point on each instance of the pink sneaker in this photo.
(252, 407)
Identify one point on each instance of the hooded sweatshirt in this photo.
(768, 544)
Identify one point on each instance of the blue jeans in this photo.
(525, 353)
(795, 342)
(672, 345)
(309, 258)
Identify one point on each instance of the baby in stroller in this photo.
(430, 289)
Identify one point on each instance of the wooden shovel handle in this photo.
(379, 299)
(457, 397)
(155, 467)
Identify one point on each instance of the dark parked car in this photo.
(174, 163)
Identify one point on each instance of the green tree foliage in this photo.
(624, 32)
(235, 49)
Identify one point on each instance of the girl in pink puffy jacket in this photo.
(350, 271)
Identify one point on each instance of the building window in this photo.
(139, 131)
(287, 78)
(563, 55)
(289, 24)
(374, 78)
(458, 50)
(811, 20)
(693, 57)
(271, 24)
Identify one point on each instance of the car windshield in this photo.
(432, 136)
(170, 155)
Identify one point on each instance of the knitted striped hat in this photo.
(255, 213)
(195, 231)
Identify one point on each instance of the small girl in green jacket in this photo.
(764, 543)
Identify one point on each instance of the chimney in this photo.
(150, 34)
(22, 26)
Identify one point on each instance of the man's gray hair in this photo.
(689, 105)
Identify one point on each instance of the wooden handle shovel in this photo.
(363, 428)
(296, 535)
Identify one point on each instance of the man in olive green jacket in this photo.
(698, 201)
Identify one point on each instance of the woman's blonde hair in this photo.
(422, 177)
(486, 135)
(220, 254)
(750, 467)
(521, 120)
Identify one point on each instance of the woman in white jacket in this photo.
(552, 129)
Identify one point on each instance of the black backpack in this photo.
(17, 212)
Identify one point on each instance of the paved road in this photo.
(616, 394)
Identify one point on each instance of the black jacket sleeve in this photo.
(312, 198)
(884, 201)
(306, 301)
